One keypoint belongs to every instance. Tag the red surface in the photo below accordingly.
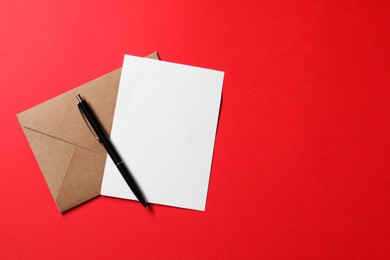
(301, 163)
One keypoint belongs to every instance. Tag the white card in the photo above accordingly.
(164, 129)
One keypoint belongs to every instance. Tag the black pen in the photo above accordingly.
(103, 138)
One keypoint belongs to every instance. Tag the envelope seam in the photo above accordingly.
(61, 139)
(66, 171)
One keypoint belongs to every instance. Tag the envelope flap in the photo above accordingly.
(53, 167)
(59, 117)
(82, 180)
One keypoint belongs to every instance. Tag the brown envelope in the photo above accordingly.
(71, 159)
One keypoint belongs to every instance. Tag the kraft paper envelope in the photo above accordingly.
(71, 159)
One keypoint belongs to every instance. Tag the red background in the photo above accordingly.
(301, 162)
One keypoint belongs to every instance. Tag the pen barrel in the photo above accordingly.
(105, 140)
(131, 183)
(99, 130)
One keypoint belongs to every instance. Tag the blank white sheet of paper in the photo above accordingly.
(164, 129)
